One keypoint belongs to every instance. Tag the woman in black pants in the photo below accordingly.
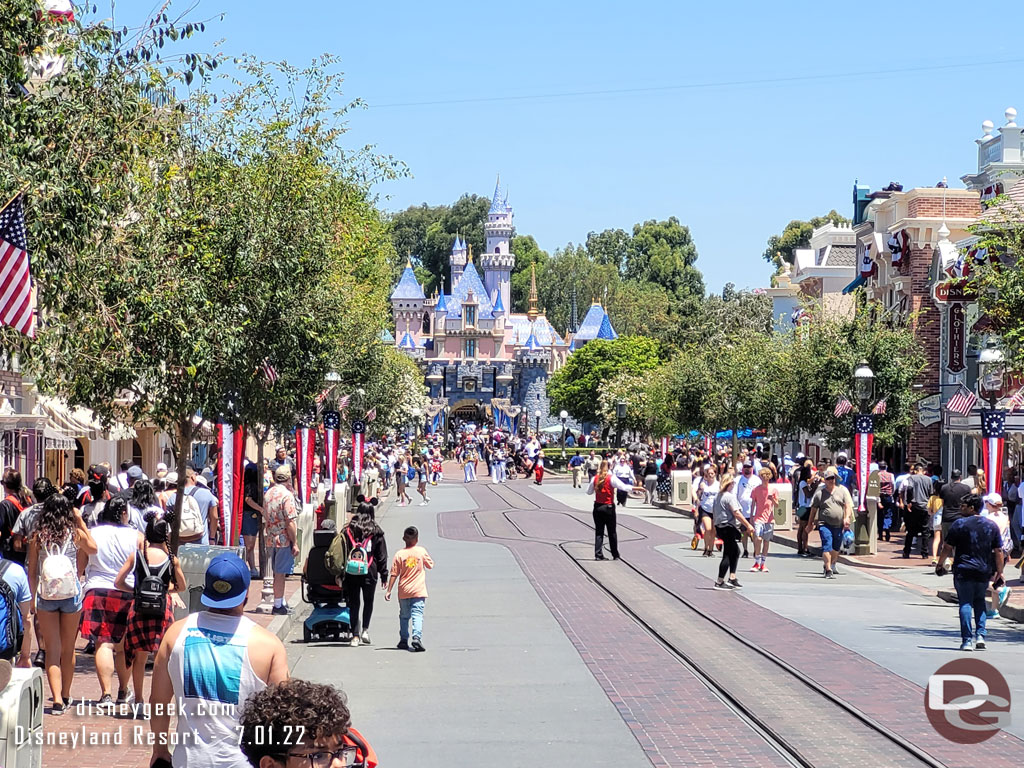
(602, 487)
(729, 524)
(364, 541)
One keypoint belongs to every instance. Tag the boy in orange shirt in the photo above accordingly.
(409, 568)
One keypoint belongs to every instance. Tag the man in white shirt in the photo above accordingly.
(745, 485)
(623, 470)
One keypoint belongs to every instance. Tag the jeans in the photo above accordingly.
(498, 472)
(604, 519)
(971, 596)
(470, 471)
(916, 520)
(410, 611)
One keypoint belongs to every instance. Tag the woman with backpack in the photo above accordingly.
(154, 569)
(365, 559)
(144, 500)
(252, 515)
(402, 471)
(59, 535)
(105, 610)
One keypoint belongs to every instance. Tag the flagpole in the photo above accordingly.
(17, 194)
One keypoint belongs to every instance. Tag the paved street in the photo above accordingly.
(522, 642)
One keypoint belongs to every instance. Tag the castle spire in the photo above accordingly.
(574, 318)
(469, 258)
(497, 202)
(532, 311)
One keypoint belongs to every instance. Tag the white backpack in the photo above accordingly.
(58, 579)
(192, 524)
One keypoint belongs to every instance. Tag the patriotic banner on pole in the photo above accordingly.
(358, 433)
(332, 421)
(230, 489)
(865, 440)
(664, 446)
(843, 407)
(709, 444)
(993, 441)
(305, 443)
(15, 275)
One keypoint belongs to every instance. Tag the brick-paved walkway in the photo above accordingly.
(884, 696)
(133, 751)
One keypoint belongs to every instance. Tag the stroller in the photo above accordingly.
(329, 619)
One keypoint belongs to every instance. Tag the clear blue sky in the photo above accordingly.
(734, 162)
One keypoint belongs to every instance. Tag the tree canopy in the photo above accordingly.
(797, 234)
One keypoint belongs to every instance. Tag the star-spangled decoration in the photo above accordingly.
(358, 427)
(332, 420)
(993, 423)
(865, 424)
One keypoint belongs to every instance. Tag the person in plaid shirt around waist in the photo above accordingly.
(146, 631)
(279, 514)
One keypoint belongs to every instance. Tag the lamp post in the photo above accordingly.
(863, 442)
(536, 415)
(564, 416)
(416, 413)
(991, 371)
(620, 418)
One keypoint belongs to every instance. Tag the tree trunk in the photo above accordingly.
(184, 444)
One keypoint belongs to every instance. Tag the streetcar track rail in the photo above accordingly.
(732, 699)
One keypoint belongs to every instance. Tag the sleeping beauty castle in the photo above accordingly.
(481, 361)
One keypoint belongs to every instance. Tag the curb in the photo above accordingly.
(1011, 612)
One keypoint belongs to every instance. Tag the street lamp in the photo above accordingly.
(620, 417)
(991, 368)
(537, 414)
(416, 413)
(863, 384)
(564, 416)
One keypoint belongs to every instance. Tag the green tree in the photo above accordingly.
(610, 247)
(576, 386)
(528, 253)
(663, 252)
(797, 234)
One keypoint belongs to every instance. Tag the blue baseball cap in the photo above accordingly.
(227, 582)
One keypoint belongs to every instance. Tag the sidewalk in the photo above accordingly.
(90, 740)
(890, 558)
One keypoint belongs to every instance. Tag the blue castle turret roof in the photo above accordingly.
(499, 307)
(407, 342)
(441, 307)
(595, 325)
(470, 281)
(499, 204)
(408, 286)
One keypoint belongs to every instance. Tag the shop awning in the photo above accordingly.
(55, 441)
(857, 283)
(80, 422)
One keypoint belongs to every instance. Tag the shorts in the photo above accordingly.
(935, 524)
(282, 560)
(831, 537)
(250, 524)
(67, 605)
(764, 531)
(803, 513)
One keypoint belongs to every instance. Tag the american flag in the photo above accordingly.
(843, 407)
(1016, 401)
(15, 275)
(343, 402)
(371, 414)
(323, 395)
(962, 402)
(269, 371)
(879, 408)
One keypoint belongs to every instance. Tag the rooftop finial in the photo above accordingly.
(532, 311)
(986, 129)
(469, 258)
(408, 261)
(1011, 117)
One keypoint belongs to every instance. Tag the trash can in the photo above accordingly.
(784, 509)
(865, 524)
(681, 495)
(21, 719)
(195, 559)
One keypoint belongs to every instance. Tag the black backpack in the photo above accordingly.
(150, 587)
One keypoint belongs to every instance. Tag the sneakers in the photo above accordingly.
(979, 644)
(58, 709)
(1004, 595)
(992, 614)
(835, 569)
(416, 645)
(280, 610)
(966, 645)
(423, 503)
(829, 574)
(764, 568)
(105, 702)
(365, 638)
(735, 584)
(755, 568)
(355, 641)
(403, 645)
(724, 586)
